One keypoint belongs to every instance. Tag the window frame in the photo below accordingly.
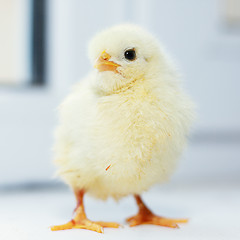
(38, 42)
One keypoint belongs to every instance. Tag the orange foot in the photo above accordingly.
(85, 224)
(145, 216)
(155, 220)
(80, 220)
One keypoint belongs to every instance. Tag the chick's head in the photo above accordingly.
(124, 54)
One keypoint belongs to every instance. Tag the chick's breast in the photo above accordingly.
(122, 143)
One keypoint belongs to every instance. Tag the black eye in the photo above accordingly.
(130, 54)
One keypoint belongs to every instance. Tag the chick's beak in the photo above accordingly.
(103, 63)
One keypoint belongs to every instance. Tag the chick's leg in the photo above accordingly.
(80, 220)
(145, 216)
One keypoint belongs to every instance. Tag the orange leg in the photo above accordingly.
(80, 220)
(145, 216)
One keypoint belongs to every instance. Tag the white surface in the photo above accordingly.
(213, 210)
(15, 31)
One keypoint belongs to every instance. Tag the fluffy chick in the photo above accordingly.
(123, 127)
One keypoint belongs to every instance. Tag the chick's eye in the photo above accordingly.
(130, 54)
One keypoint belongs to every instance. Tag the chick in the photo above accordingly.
(123, 127)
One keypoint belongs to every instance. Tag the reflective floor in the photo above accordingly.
(213, 210)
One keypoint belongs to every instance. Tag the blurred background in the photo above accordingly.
(43, 51)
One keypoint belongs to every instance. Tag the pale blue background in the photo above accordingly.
(194, 32)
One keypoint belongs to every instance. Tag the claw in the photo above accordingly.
(80, 221)
(145, 216)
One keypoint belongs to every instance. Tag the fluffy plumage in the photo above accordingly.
(121, 132)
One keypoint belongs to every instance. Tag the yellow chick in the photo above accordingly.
(123, 127)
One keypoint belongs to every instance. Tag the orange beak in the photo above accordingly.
(103, 63)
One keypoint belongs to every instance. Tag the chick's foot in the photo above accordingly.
(80, 221)
(154, 220)
(85, 224)
(145, 216)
